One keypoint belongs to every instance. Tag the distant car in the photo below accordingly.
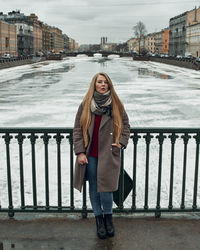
(6, 55)
(197, 59)
(179, 57)
(189, 56)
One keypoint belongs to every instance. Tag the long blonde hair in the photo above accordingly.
(117, 109)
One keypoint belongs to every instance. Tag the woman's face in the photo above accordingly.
(101, 84)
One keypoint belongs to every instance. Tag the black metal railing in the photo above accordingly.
(36, 171)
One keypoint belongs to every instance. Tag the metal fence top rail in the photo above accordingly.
(70, 129)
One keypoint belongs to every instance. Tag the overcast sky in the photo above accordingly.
(88, 20)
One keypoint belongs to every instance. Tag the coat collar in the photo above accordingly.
(104, 119)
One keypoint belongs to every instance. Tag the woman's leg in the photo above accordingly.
(107, 202)
(92, 178)
(95, 196)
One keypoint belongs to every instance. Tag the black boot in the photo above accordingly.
(109, 225)
(101, 231)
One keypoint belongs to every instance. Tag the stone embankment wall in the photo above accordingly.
(7, 63)
(190, 64)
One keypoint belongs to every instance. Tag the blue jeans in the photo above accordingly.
(101, 201)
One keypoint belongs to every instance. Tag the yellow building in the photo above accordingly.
(76, 46)
(133, 45)
(8, 39)
(71, 44)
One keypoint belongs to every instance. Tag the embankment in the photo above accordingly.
(7, 63)
(190, 64)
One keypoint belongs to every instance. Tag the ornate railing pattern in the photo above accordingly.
(18, 139)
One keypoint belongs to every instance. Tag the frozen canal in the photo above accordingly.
(47, 94)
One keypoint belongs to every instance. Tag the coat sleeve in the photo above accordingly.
(78, 134)
(125, 134)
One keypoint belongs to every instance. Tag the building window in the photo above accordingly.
(7, 42)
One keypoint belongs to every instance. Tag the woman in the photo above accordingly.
(101, 129)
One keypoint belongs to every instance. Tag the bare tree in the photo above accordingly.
(139, 31)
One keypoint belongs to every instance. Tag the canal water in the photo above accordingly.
(47, 94)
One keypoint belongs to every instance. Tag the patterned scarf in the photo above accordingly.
(101, 103)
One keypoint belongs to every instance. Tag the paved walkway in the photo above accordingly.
(71, 232)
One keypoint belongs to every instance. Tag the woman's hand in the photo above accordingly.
(117, 145)
(82, 159)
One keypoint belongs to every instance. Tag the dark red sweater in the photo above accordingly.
(94, 144)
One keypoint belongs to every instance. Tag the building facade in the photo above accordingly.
(46, 38)
(66, 43)
(71, 44)
(57, 41)
(24, 31)
(165, 46)
(133, 45)
(8, 39)
(150, 42)
(37, 34)
(177, 35)
(158, 36)
(193, 32)
(109, 47)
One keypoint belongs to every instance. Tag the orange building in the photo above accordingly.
(8, 39)
(165, 41)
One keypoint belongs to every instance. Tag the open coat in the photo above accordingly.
(108, 169)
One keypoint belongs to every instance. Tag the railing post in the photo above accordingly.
(20, 139)
(173, 138)
(135, 139)
(121, 182)
(71, 172)
(33, 138)
(46, 138)
(185, 138)
(7, 139)
(160, 138)
(148, 138)
(58, 138)
(197, 138)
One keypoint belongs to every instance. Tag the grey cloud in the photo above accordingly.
(87, 20)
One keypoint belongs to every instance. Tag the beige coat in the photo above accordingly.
(108, 169)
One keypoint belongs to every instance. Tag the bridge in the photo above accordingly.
(103, 53)
(35, 164)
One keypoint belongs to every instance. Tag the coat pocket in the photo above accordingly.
(115, 150)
